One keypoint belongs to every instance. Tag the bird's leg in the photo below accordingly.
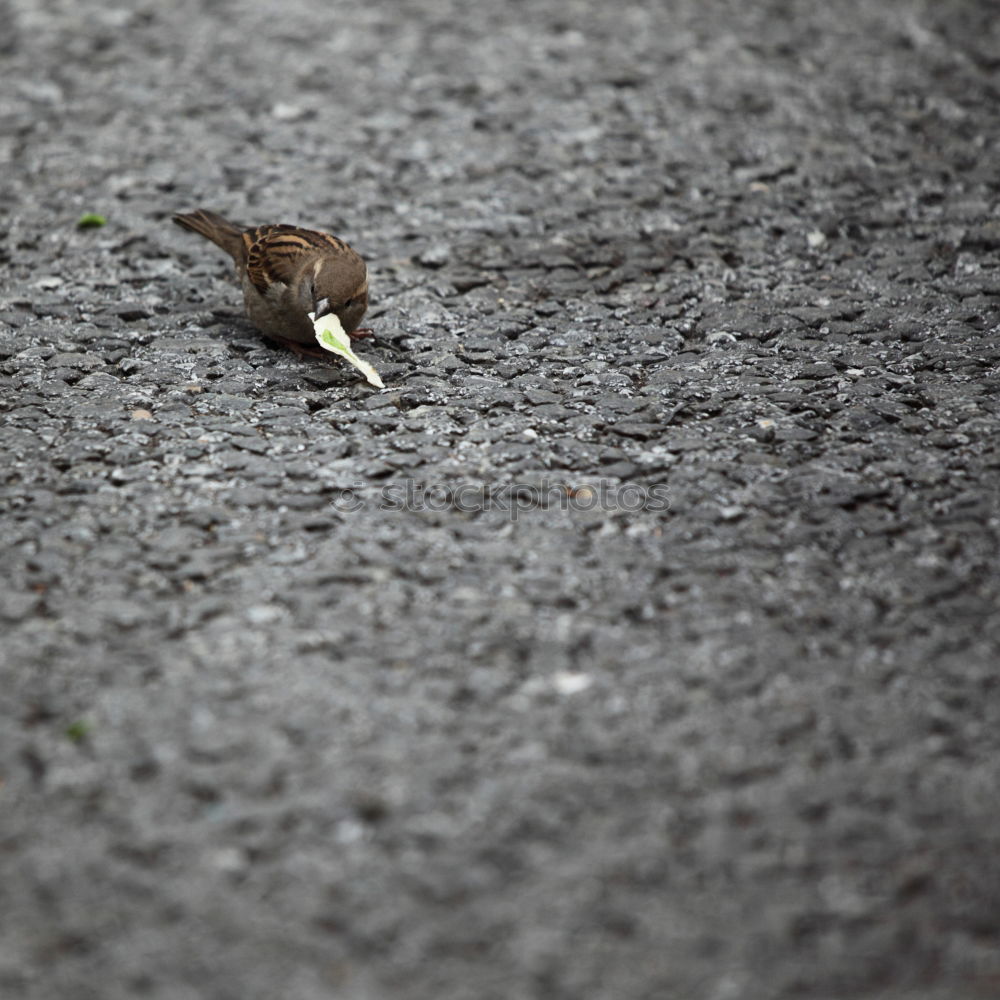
(302, 350)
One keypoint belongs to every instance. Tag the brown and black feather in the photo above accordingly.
(274, 253)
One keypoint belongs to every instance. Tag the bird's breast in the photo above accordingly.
(277, 312)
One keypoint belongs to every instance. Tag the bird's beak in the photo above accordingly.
(321, 308)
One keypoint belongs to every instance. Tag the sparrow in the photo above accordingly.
(286, 273)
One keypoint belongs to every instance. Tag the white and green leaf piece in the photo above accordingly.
(330, 335)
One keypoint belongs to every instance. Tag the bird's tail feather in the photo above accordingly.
(214, 227)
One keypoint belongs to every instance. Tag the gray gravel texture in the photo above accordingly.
(265, 734)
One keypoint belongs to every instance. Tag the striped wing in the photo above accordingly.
(275, 253)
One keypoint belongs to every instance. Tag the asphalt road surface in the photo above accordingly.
(640, 640)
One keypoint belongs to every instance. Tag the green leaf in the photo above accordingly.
(330, 335)
(91, 220)
(77, 732)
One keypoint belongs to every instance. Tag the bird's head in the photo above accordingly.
(340, 286)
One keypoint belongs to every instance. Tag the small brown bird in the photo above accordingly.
(286, 273)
